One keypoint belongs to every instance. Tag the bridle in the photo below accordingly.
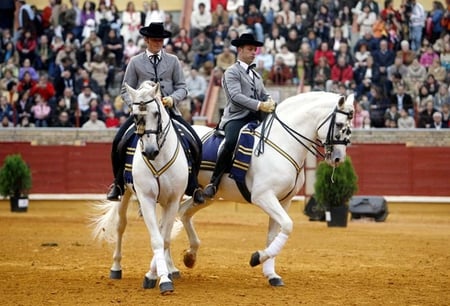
(140, 122)
(331, 140)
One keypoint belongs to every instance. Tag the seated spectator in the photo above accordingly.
(342, 72)
(130, 50)
(441, 97)
(238, 26)
(416, 76)
(254, 19)
(114, 48)
(196, 85)
(72, 106)
(438, 71)
(403, 100)
(200, 20)
(83, 100)
(423, 98)
(10, 93)
(220, 16)
(322, 31)
(391, 117)
(273, 43)
(406, 121)
(182, 37)
(27, 68)
(45, 89)
(427, 58)
(218, 45)
(26, 83)
(67, 80)
(41, 112)
(432, 84)
(406, 53)
(26, 47)
(378, 104)
(307, 56)
(63, 120)
(171, 26)
(293, 42)
(112, 121)
(45, 56)
(397, 67)
(94, 123)
(25, 123)
(369, 71)
(94, 40)
(287, 13)
(280, 24)
(361, 56)
(361, 118)
(98, 70)
(263, 60)
(322, 72)
(288, 57)
(367, 39)
(226, 58)
(324, 51)
(202, 47)
(426, 116)
(280, 74)
(337, 38)
(186, 55)
(299, 26)
(84, 80)
(437, 121)
(23, 106)
(384, 59)
(6, 123)
(7, 78)
(6, 109)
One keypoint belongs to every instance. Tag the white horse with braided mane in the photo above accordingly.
(159, 175)
(301, 123)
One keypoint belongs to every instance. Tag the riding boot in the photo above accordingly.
(219, 170)
(114, 192)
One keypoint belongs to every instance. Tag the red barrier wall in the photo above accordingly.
(382, 169)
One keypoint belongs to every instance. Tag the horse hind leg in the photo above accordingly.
(186, 212)
(116, 268)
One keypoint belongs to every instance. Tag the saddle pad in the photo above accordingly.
(210, 150)
(242, 156)
(131, 148)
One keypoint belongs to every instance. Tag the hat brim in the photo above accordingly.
(146, 32)
(246, 42)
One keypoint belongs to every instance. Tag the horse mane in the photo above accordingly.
(309, 100)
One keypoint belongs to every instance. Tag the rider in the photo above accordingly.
(247, 99)
(156, 65)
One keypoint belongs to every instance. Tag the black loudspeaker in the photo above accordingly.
(369, 207)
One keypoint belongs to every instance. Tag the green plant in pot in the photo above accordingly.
(15, 182)
(334, 188)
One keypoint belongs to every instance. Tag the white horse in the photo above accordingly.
(159, 175)
(300, 124)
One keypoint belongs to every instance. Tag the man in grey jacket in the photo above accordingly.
(246, 99)
(156, 65)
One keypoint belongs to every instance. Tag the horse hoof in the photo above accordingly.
(174, 275)
(115, 274)
(166, 288)
(276, 282)
(149, 283)
(254, 260)
(189, 260)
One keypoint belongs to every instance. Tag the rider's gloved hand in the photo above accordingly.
(167, 101)
(268, 106)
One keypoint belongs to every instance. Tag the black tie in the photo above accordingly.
(251, 67)
(154, 59)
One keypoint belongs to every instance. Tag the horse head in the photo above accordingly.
(334, 132)
(149, 117)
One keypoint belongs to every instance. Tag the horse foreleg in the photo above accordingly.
(272, 207)
(116, 269)
(167, 220)
(186, 212)
(148, 208)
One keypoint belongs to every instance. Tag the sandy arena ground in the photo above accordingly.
(49, 258)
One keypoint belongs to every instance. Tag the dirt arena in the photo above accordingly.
(49, 258)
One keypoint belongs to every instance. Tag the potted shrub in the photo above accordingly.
(15, 182)
(333, 190)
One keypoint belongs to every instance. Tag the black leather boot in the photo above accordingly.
(198, 196)
(114, 193)
(210, 190)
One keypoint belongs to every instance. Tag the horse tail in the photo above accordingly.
(105, 221)
(176, 229)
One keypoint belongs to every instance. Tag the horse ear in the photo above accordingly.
(158, 90)
(350, 99)
(341, 101)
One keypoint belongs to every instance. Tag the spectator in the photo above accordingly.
(112, 121)
(63, 120)
(27, 68)
(26, 18)
(9, 54)
(218, 45)
(342, 72)
(384, 58)
(96, 42)
(26, 47)
(131, 22)
(130, 50)
(41, 111)
(299, 26)
(227, 58)
(269, 8)
(445, 110)
(423, 97)
(288, 57)
(391, 117)
(220, 16)
(154, 14)
(415, 76)
(325, 52)
(26, 83)
(68, 51)
(441, 97)
(5, 109)
(406, 121)
(83, 100)
(378, 104)
(366, 19)
(307, 56)
(71, 106)
(322, 30)
(437, 121)
(336, 39)
(67, 80)
(403, 100)
(200, 20)
(432, 84)
(287, 14)
(98, 70)
(254, 19)
(6, 123)
(280, 74)
(439, 45)
(171, 26)
(322, 72)
(438, 71)
(398, 67)
(94, 123)
(416, 23)
(344, 50)
(185, 54)
(427, 58)
(7, 78)
(113, 48)
(307, 15)
(45, 89)
(237, 26)
(61, 107)
(202, 47)
(361, 56)
(232, 8)
(369, 71)
(293, 42)
(367, 39)
(106, 106)
(23, 106)
(361, 119)
(84, 80)
(182, 37)
(45, 56)
(196, 85)
(426, 115)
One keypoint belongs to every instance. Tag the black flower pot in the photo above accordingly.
(19, 204)
(337, 216)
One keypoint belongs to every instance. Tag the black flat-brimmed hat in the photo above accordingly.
(155, 30)
(246, 39)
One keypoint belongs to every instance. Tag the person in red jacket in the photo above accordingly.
(324, 51)
(26, 47)
(45, 89)
(342, 72)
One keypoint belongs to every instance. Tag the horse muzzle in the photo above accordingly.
(150, 152)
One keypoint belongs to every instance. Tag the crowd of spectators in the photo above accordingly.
(59, 64)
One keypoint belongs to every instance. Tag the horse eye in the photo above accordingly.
(339, 125)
